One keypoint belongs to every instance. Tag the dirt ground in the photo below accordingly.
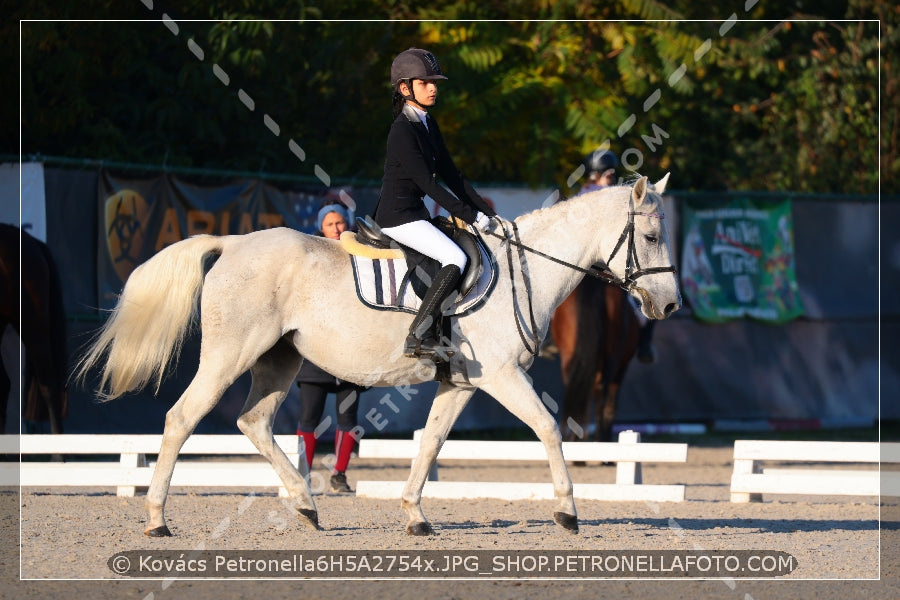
(839, 549)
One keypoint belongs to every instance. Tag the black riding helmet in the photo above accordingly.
(601, 161)
(414, 63)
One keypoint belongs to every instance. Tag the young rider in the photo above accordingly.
(416, 157)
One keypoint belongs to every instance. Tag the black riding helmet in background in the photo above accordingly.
(601, 161)
(414, 63)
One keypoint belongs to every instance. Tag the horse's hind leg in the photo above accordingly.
(448, 403)
(273, 374)
(516, 394)
(195, 403)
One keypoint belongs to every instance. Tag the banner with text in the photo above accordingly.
(140, 217)
(738, 261)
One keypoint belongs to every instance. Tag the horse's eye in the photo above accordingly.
(652, 239)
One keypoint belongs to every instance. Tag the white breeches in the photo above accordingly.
(424, 237)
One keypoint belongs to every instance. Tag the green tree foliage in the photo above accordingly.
(778, 97)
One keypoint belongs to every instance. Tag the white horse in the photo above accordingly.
(273, 296)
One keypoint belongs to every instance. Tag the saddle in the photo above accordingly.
(422, 269)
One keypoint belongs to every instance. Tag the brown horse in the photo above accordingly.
(596, 332)
(42, 328)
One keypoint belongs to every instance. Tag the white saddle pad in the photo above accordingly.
(381, 283)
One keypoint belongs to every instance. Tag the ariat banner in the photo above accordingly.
(738, 261)
(140, 217)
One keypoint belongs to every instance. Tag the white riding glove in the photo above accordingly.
(483, 222)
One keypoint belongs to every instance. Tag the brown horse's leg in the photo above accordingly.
(564, 329)
(43, 335)
(577, 351)
(620, 347)
(606, 411)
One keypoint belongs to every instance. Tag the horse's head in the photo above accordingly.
(643, 261)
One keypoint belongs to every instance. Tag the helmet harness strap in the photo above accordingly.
(411, 97)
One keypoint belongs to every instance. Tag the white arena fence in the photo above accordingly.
(628, 454)
(209, 461)
(132, 469)
(750, 480)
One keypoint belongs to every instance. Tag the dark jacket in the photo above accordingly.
(416, 157)
(313, 373)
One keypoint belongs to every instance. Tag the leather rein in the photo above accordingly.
(633, 269)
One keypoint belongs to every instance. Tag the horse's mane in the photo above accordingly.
(572, 203)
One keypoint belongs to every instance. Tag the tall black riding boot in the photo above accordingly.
(422, 338)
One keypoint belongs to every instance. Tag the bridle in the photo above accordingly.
(633, 270)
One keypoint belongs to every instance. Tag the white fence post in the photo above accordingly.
(629, 473)
(131, 460)
(746, 466)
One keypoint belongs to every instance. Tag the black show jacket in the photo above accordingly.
(416, 157)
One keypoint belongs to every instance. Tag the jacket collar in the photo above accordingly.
(413, 117)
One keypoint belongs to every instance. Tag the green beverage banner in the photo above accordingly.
(738, 261)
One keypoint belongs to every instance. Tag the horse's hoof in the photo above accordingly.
(161, 531)
(568, 522)
(312, 516)
(421, 528)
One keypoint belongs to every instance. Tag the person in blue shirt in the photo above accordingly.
(315, 384)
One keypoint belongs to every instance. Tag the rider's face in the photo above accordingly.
(425, 92)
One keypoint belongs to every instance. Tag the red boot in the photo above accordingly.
(344, 443)
(309, 445)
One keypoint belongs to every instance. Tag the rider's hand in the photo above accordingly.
(482, 222)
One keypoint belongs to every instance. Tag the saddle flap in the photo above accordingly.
(466, 240)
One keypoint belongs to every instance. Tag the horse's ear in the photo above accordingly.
(660, 186)
(639, 191)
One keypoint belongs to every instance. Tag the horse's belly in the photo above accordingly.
(375, 364)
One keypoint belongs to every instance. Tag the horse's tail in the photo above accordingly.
(591, 312)
(151, 319)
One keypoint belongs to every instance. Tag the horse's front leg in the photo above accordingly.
(513, 390)
(448, 403)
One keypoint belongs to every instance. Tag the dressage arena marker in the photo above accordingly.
(628, 454)
(749, 481)
(132, 471)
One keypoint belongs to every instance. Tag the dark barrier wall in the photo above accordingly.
(71, 234)
(827, 365)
